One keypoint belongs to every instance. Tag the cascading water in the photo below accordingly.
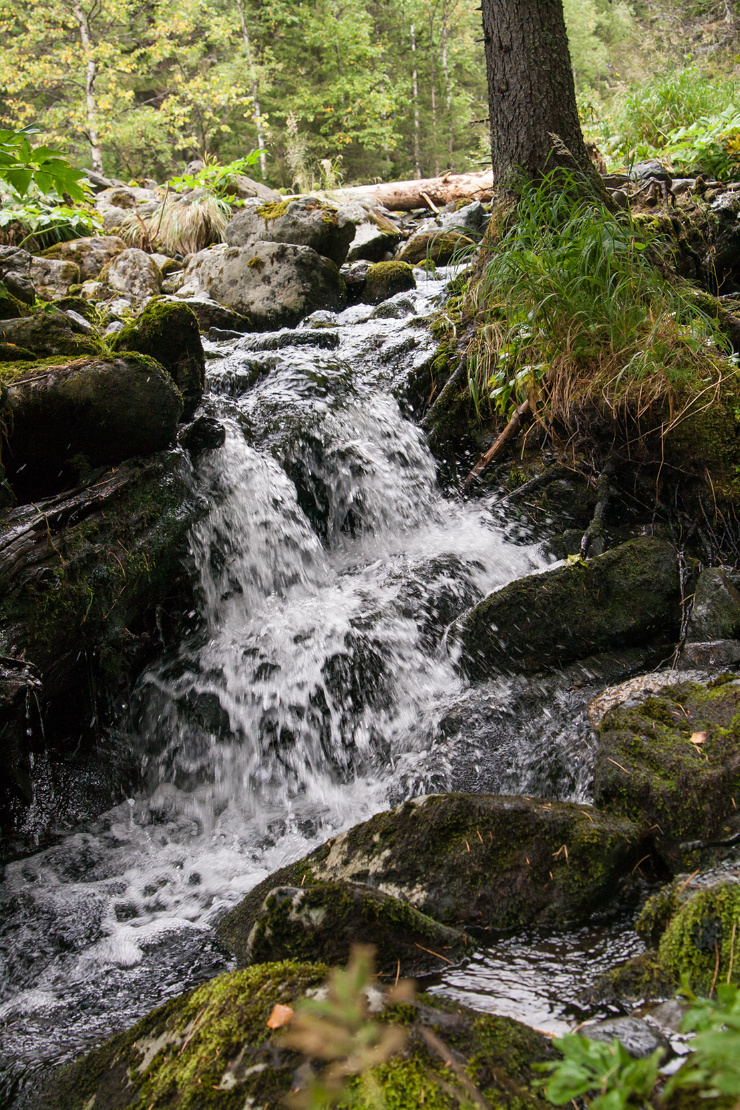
(317, 691)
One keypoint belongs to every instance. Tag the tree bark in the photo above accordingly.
(415, 87)
(254, 89)
(405, 195)
(531, 91)
(91, 108)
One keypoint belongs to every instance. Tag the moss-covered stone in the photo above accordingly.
(471, 860)
(440, 247)
(304, 221)
(385, 279)
(322, 921)
(47, 333)
(169, 333)
(622, 598)
(643, 978)
(702, 938)
(213, 1048)
(648, 769)
(11, 308)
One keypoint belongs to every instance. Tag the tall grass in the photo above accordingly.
(180, 224)
(572, 312)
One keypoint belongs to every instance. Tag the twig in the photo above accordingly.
(437, 954)
(511, 431)
(604, 493)
(732, 950)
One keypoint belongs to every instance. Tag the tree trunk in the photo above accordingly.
(91, 110)
(448, 89)
(254, 90)
(415, 86)
(531, 92)
(402, 196)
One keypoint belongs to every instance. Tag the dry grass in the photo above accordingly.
(181, 224)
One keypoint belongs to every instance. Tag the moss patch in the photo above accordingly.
(385, 279)
(273, 211)
(169, 333)
(703, 937)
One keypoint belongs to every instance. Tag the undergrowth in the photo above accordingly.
(572, 311)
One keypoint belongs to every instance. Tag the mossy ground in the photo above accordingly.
(213, 1048)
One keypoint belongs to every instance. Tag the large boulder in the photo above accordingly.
(440, 247)
(668, 758)
(385, 279)
(274, 284)
(376, 234)
(715, 614)
(15, 274)
(216, 1047)
(211, 314)
(47, 334)
(323, 921)
(91, 253)
(133, 273)
(306, 222)
(96, 409)
(477, 860)
(168, 332)
(622, 598)
(53, 278)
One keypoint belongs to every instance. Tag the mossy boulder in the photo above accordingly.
(133, 273)
(471, 860)
(91, 581)
(169, 333)
(53, 278)
(11, 307)
(440, 247)
(385, 279)
(213, 1048)
(90, 253)
(15, 274)
(715, 614)
(322, 921)
(669, 760)
(211, 314)
(644, 977)
(307, 222)
(623, 598)
(47, 333)
(700, 922)
(103, 410)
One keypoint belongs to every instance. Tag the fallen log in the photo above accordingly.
(430, 192)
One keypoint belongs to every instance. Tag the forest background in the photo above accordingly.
(350, 90)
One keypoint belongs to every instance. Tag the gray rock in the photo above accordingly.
(47, 333)
(438, 246)
(80, 322)
(211, 314)
(53, 277)
(15, 273)
(166, 264)
(134, 273)
(715, 653)
(715, 614)
(471, 217)
(273, 284)
(91, 253)
(307, 222)
(622, 598)
(245, 187)
(638, 1037)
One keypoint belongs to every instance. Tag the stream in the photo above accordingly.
(317, 691)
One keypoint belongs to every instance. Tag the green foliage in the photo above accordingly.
(23, 166)
(570, 303)
(605, 1072)
(43, 222)
(714, 1064)
(215, 177)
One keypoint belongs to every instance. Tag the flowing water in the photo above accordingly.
(317, 691)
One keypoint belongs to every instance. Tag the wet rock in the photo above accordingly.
(438, 246)
(715, 614)
(306, 222)
(625, 597)
(103, 410)
(714, 653)
(637, 1036)
(15, 274)
(133, 273)
(20, 685)
(669, 759)
(375, 234)
(385, 279)
(700, 922)
(216, 1039)
(204, 434)
(472, 860)
(211, 314)
(91, 253)
(46, 334)
(53, 278)
(354, 275)
(642, 978)
(168, 332)
(273, 284)
(466, 217)
(323, 921)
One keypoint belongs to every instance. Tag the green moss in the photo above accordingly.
(10, 307)
(274, 210)
(385, 279)
(169, 332)
(256, 263)
(645, 977)
(702, 940)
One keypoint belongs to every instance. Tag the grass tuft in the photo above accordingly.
(180, 224)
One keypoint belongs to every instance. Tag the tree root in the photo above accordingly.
(604, 494)
(511, 431)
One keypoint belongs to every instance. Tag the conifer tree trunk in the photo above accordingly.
(254, 83)
(415, 88)
(91, 108)
(531, 91)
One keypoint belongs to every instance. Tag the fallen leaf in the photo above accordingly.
(698, 737)
(279, 1017)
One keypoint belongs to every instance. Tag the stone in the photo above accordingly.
(273, 284)
(637, 1036)
(307, 222)
(20, 685)
(714, 653)
(669, 760)
(321, 922)
(239, 185)
(133, 273)
(470, 860)
(104, 410)
(166, 264)
(216, 1044)
(92, 290)
(211, 314)
(15, 274)
(47, 333)
(715, 614)
(466, 217)
(168, 332)
(204, 434)
(375, 233)
(53, 278)
(91, 253)
(10, 307)
(440, 247)
(385, 279)
(354, 275)
(622, 598)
